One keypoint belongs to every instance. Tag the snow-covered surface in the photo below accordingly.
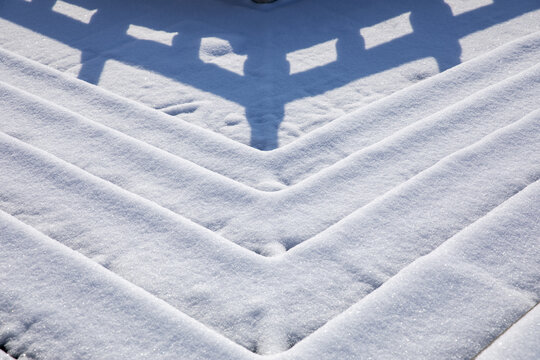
(4, 356)
(519, 342)
(397, 216)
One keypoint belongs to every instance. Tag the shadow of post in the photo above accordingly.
(92, 59)
(266, 73)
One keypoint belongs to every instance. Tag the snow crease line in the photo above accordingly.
(125, 137)
(124, 193)
(217, 333)
(314, 178)
(297, 187)
(479, 225)
(505, 331)
(332, 227)
(153, 149)
(471, 61)
(126, 284)
(424, 173)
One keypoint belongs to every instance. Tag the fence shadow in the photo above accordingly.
(265, 37)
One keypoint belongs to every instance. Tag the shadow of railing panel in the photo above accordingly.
(266, 85)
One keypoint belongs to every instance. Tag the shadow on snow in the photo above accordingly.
(265, 37)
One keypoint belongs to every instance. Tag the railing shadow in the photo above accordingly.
(266, 85)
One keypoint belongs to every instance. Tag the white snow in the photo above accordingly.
(387, 30)
(216, 179)
(518, 342)
(310, 58)
(4, 356)
(144, 33)
(220, 52)
(73, 11)
(462, 6)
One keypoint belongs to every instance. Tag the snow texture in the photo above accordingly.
(217, 179)
(518, 342)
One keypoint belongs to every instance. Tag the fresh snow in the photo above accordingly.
(216, 179)
(519, 342)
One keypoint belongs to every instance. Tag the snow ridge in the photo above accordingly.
(411, 218)
(283, 166)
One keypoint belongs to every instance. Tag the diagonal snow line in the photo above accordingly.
(421, 175)
(315, 259)
(96, 267)
(447, 75)
(466, 229)
(392, 297)
(382, 193)
(479, 95)
(470, 68)
(501, 207)
(176, 213)
(520, 337)
(331, 228)
(448, 160)
(468, 101)
(444, 160)
(476, 100)
(123, 287)
(37, 70)
(125, 136)
(494, 99)
(325, 332)
(344, 130)
(2, 214)
(208, 234)
(530, 73)
(212, 142)
(5, 356)
(535, 307)
(155, 151)
(322, 328)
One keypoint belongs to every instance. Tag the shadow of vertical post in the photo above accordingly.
(92, 61)
(429, 20)
(267, 74)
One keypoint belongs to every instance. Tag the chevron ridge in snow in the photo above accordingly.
(339, 279)
(460, 81)
(133, 302)
(186, 187)
(171, 239)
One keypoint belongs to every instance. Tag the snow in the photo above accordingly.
(448, 304)
(518, 342)
(4, 356)
(217, 179)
